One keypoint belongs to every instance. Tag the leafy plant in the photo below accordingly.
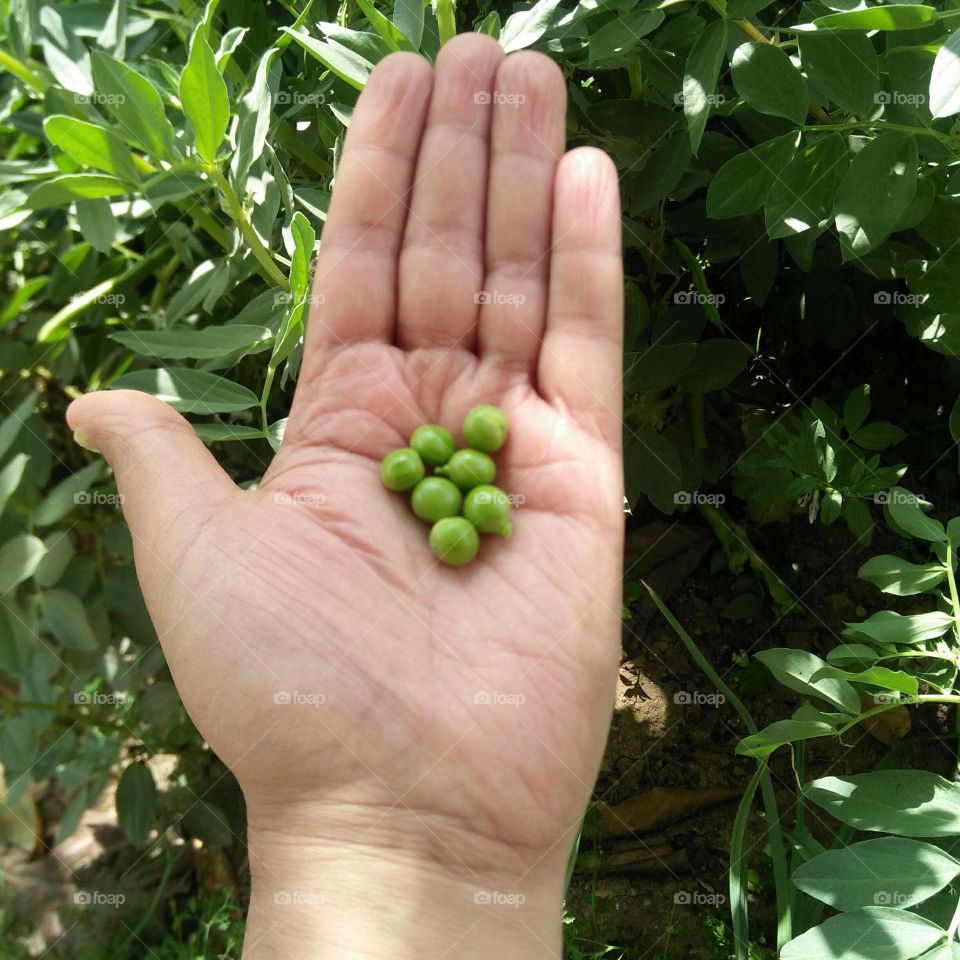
(819, 463)
(883, 886)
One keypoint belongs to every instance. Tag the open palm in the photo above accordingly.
(317, 644)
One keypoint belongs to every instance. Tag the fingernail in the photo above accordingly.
(82, 439)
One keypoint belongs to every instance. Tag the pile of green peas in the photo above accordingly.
(459, 499)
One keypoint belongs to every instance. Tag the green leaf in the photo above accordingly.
(874, 933)
(10, 427)
(408, 17)
(97, 223)
(189, 391)
(887, 626)
(887, 870)
(208, 823)
(304, 240)
(766, 80)
(659, 470)
(808, 675)
(19, 558)
(891, 16)
(912, 803)
(59, 552)
(715, 364)
(904, 508)
(392, 35)
(135, 104)
(856, 408)
(945, 79)
(700, 79)
(217, 432)
(347, 65)
(67, 494)
(896, 680)
(844, 68)
(802, 195)
(204, 97)
(901, 578)
(526, 27)
(878, 435)
(64, 616)
(136, 802)
(180, 343)
(782, 732)
(10, 477)
(91, 145)
(60, 191)
(743, 183)
(876, 191)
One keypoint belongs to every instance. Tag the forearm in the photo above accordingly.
(374, 895)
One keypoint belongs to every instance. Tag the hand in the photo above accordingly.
(411, 737)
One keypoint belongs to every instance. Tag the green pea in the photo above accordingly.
(454, 541)
(469, 468)
(485, 428)
(402, 469)
(434, 443)
(488, 509)
(435, 498)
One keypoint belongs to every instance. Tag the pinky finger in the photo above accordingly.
(581, 360)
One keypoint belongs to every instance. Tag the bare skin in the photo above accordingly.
(416, 743)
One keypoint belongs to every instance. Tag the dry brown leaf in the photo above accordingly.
(889, 727)
(659, 806)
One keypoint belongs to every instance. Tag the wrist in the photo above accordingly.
(368, 884)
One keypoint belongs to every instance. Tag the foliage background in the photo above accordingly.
(790, 206)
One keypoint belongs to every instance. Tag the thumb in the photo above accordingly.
(164, 472)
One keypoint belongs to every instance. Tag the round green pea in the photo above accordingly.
(454, 541)
(469, 469)
(401, 470)
(488, 509)
(434, 443)
(434, 498)
(485, 428)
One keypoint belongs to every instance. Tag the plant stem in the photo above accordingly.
(265, 396)
(880, 124)
(635, 73)
(20, 70)
(86, 300)
(955, 605)
(239, 215)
